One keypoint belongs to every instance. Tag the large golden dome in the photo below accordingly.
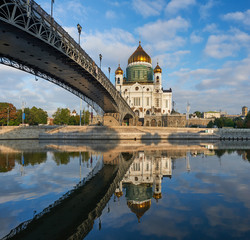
(139, 208)
(139, 56)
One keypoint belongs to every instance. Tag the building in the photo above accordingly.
(143, 180)
(211, 114)
(142, 87)
(244, 111)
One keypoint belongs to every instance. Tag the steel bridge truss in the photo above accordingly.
(48, 77)
(28, 16)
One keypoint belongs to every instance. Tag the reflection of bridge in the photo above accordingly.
(73, 215)
(33, 42)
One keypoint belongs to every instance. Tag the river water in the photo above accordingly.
(124, 190)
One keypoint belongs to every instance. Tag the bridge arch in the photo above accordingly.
(33, 42)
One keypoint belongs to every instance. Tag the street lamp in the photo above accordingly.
(100, 56)
(52, 2)
(8, 115)
(109, 72)
(79, 28)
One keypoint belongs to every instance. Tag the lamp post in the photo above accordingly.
(28, 8)
(109, 72)
(79, 28)
(100, 57)
(52, 2)
(8, 115)
(23, 114)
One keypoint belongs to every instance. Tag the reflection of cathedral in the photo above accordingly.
(142, 86)
(143, 180)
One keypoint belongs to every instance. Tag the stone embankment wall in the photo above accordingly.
(23, 132)
(127, 133)
(120, 133)
(234, 134)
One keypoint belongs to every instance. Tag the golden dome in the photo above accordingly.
(157, 196)
(157, 69)
(139, 208)
(118, 194)
(139, 56)
(119, 70)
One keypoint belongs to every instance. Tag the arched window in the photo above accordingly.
(157, 79)
(147, 112)
(153, 123)
(118, 80)
(137, 113)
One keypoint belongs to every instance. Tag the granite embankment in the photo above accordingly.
(23, 132)
(121, 133)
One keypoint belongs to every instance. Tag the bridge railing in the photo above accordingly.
(79, 55)
(99, 73)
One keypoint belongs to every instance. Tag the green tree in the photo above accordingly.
(33, 116)
(8, 114)
(198, 114)
(210, 124)
(61, 116)
(247, 120)
(238, 122)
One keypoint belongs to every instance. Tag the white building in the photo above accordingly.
(143, 181)
(142, 86)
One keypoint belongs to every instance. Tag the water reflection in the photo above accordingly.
(64, 190)
(143, 180)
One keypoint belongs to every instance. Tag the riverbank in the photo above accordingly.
(120, 133)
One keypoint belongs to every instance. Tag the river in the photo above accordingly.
(124, 190)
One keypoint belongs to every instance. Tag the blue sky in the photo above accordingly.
(202, 47)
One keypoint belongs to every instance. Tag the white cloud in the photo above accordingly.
(227, 45)
(225, 88)
(170, 60)
(211, 28)
(110, 14)
(242, 17)
(175, 6)
(194, 38)
(204, 9)
(148, 7)
(163, 34)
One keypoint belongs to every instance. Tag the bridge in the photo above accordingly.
(73, 215)
(32, 41)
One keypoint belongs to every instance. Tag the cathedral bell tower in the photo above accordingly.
(157, 77)
(118, 78)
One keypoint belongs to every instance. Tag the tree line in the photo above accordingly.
(228, 122)
(11, 116)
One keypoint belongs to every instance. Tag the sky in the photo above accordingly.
(202, 46)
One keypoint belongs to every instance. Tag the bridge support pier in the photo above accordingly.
(111, 119)
(115, 119)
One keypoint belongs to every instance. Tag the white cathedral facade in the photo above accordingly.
(142, 86)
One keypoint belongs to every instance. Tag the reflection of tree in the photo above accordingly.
(244, 154)
(220, 152)
(32, 158)
(64, 157)
(7, 162)
(127, 156)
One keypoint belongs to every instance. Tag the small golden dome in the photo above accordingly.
(139, 56)
(119, 70)
(157, 196)
(157, 69)
(118, 194)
